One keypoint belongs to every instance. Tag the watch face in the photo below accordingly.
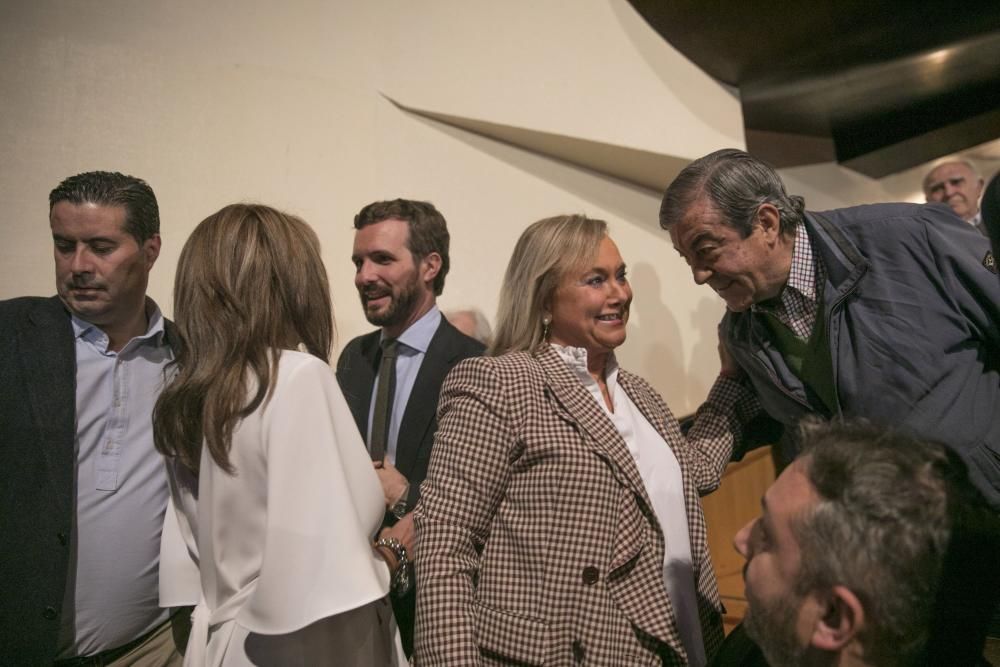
(399, 509)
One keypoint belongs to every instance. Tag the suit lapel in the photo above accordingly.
(579, 406)
(356, 375)
(421, 408)
(640, 593)
(48, 356)
(659, 415)
(656, 413)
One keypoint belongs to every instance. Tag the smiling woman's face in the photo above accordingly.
(590, 305)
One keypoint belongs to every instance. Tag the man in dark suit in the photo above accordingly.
(83, 494)
(401, 259)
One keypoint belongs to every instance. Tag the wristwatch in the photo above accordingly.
(399, 509)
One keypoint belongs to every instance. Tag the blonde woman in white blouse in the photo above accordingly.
(276, 500)
(559, 520)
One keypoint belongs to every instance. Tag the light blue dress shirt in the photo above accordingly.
(412, 348)
(121, 491)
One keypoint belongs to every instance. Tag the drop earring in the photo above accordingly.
(546, 320)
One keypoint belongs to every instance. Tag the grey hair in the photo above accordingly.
(546, 251)
(968, 163)
(482, 331)
(891, 510)
(736, 184)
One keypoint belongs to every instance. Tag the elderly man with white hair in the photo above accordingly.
(958, 184)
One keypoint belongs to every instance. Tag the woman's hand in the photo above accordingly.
(388, 556)
(397, 555)
(402, 531)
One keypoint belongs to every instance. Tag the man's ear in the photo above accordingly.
(769, 220)
(430, 265)
(151, 250)
(842, 618)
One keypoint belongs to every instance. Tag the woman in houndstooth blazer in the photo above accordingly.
(560, 521)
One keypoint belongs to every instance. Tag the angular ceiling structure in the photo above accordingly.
(877, 86)
(644, 169)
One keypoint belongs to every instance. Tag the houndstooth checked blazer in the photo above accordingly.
(536, 540)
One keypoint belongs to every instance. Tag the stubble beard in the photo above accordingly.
(772, 626)
(400, 306)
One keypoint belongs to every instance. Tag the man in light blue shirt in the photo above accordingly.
(401, 259)
(84, 491)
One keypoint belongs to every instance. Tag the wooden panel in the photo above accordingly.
(728, 509)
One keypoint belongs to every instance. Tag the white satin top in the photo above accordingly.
(287, 540)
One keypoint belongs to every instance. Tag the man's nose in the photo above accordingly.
(364, 275)
(701, 274)
(742, 540)
(81, 261)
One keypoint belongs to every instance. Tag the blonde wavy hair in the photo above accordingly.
(546, 251)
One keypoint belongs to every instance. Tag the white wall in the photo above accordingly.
(222, 100)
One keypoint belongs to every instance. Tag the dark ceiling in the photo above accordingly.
(877, 86)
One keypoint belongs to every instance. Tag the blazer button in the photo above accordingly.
(591, 575)
(63, 538)
(578, 651)
(49, 613)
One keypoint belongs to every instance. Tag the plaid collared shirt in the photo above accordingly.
(797, 303)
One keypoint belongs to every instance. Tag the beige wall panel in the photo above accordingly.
(592, 69)
(224, 100)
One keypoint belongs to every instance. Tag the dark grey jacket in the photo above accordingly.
(37, 488)
(912, 307)
(37, 429)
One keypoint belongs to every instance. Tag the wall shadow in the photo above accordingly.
(704, 360)
(631, 203)
(653, 349)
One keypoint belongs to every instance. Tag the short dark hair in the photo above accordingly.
(110, 188)
(428, 229)
(736, 183)
(892, 515)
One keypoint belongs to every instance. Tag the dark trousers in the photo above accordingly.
(405, 610)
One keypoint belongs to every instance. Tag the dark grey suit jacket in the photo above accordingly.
(37, 429)
(37, 482)
(357, 369)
